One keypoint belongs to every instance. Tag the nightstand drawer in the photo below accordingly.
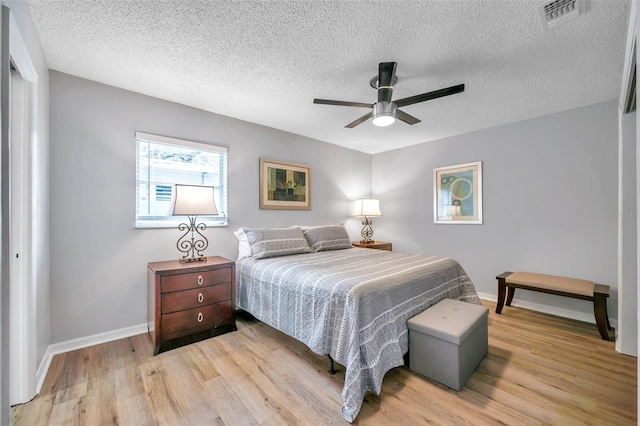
(192, 318)
(181, 300)
(195, 280)
(385, 246)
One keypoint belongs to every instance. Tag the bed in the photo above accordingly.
(349, 303)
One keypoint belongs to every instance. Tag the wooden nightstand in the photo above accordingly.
(380, 245)
(188, 302)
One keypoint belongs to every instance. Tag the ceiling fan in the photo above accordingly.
(385, 111)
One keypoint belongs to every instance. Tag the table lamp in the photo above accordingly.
(367, 207)
(192, 201)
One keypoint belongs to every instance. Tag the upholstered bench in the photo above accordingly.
(448, 341)
(561, 286)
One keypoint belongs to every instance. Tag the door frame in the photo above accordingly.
(23, 333)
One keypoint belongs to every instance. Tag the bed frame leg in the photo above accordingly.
(332, 370)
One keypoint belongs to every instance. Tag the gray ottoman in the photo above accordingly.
(448, 341)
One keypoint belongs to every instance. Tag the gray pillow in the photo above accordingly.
(270, 242)
(333, 237)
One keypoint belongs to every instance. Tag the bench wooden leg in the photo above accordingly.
(510, 292)
(600, 311)
(502, 288)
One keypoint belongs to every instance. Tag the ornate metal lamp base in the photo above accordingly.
(367, 231)
(190, 246)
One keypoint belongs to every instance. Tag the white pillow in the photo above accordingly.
(244, 248)
(304, 227)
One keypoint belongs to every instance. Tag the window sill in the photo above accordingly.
(159, 223)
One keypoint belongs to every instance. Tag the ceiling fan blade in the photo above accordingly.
(342, 103)
(386, 72)
(431, 95)
(386, 76)
(359, 121)
(403, 116)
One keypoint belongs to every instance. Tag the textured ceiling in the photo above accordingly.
(265, 61)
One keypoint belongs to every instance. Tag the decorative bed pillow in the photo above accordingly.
(270, 242)
(333, 237)
(244, 248)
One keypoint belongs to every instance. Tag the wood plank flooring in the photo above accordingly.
(540, 369)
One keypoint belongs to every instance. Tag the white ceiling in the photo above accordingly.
(265, 61)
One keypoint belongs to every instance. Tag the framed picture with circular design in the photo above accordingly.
(457, 194)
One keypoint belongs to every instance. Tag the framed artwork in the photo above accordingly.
(284, 185)
(457, 194)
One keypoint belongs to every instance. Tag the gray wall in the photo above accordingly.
(20, 11)
(98, 258)
(550, 196)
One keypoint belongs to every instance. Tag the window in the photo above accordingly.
(161, 163)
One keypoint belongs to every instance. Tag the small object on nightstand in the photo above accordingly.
(380, 245)
(188, 302)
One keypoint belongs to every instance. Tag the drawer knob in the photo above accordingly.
(200, 297)
(200, 280)
(200, 317)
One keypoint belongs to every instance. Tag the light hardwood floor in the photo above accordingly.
(540, 370)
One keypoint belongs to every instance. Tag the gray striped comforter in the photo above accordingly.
(352, 304)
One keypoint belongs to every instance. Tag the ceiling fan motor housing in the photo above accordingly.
(384, 113)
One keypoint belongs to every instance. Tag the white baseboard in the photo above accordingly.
(565, 313)
(83, 342)
(42, 369)
(96, 339)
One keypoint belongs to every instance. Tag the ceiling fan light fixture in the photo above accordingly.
(384, 120)
(384, 114)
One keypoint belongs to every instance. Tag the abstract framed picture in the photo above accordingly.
(457, 194)
(284, 185)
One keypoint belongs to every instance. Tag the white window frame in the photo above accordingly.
(174, 221)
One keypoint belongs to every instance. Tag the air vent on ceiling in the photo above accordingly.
(556, 12)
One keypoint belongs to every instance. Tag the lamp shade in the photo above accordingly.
(367, 207)
(193, 200)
